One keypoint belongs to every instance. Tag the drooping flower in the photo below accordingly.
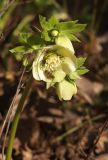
(65, 90)
(53, 64)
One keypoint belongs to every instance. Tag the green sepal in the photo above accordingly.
(69, 29)
(20, 51)
(23, 37)
(72, 37)
(33, 41)
(64, 28)
(82, 70)
(71, 26)
(80, 61)
(47, 24)
(45, 36)
(74, 75)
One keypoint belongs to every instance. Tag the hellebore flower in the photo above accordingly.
(65, 90)
(54, 64)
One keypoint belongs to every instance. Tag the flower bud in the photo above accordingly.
(65, 90)
(54, 33)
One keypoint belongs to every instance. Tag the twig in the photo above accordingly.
(74, 129)
(16, 118)
(4, 142)
(6, 8)
(10, 114)
(97, 138)
(11, 106)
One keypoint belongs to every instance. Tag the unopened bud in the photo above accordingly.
(54, 33)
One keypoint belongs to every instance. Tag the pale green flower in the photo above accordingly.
(53, 64)
(65, 42)
(65, 90)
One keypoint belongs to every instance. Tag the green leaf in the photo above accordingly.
(74, 75)
(78, 28)
(71, 26)
(66, 25)
(82, 71)
(35, 42)
(42, 21)
(45, 36)
(23, 37)
(69, 29)
(53, 21)
(80, 61)
(72, 37)
(20, 49)
(46, 25)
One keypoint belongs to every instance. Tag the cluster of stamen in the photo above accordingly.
(51, 64)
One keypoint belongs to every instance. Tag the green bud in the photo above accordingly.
(25, 62)
(54, 33)
(65, 90)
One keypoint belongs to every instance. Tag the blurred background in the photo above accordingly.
(50, 129)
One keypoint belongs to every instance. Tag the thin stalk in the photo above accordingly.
(8, 115)
(17, 117)
(76, 128)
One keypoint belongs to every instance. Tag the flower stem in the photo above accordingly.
(17, 117)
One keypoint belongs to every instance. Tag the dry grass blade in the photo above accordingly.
(5, 8)
(103, 127)
(10, 113)
(74, 129)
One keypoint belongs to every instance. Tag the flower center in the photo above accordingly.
(51, 62)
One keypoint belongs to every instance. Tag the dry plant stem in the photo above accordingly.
(17, 117)
(104, 126)
(3, 148)
(74, 129)
(8, 115)
(6, 8)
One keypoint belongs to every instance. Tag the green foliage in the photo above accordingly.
(51, 30)
(23, 37)
(80, 68)
(47, 26)
(74, 75)
(68, 29)
(33, 41)
(82, 71)
(80, 61)
(6, 16)
(20, 51)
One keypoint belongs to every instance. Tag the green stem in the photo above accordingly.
(17, 117)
